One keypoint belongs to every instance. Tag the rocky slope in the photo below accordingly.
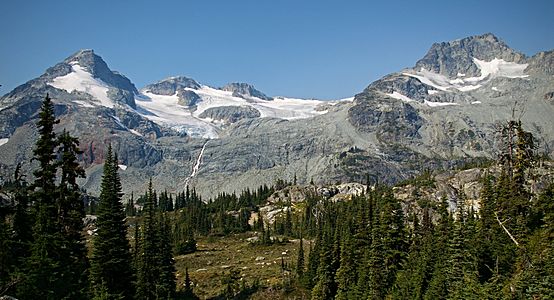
(441, 112)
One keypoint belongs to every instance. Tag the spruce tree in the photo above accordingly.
(111, 268)
(148, 270)
(166, 285)
(346, 275)
(300, 259)
(71, 212)
(43, 273)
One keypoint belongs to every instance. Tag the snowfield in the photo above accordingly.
(489, 70)
(165, 110)
(82, 81)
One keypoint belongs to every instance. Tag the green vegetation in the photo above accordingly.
(372, 247)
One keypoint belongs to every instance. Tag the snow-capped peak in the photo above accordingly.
(82, 80)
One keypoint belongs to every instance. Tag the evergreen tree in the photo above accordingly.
(165, 288)
(22, 225)
(111, 268)
(71, 212)
(149, 259)
(300, 259)
(43, 273)
(346, 275)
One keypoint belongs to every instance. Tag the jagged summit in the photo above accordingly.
(171, 85)
(241, 89)
(457, 57)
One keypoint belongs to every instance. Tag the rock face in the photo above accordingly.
(456, 57)
(176, 85)
(396, 127)
(230, 114)
(243, 90)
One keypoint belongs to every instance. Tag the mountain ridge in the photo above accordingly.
(178, 128)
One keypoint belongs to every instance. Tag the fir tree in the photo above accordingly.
(111, 268)
(346, 275)
(43, 273)
(71, 212)
(149, 260)
(300, 259)
(165, 288)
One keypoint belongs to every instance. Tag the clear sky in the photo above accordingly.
(320, 49)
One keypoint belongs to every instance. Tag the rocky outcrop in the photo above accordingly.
(230, 114)
(245, 90)
(390, 120)
(188, 98)
(172, 85)
(408, 86)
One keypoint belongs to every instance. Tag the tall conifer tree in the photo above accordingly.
(111, 267)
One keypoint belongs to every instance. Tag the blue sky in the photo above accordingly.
(321, 49)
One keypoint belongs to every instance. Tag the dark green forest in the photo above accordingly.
(366, 248)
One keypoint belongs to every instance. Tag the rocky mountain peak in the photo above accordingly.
(172, 85)
(86, 58)
(241, 89)
(455, 58)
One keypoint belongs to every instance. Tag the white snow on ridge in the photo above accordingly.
(401, 97)
(489, 70)
(279, 107)
(166, 110)
(122, 167)
(82, 81)
(3, 141)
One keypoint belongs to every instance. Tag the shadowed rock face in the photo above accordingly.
(230, 114)
(244, 90)
(379, 133)
(187, 98)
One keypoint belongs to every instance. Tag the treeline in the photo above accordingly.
(370, 248)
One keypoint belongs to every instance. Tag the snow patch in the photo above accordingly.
(123, 167)
(495, 89)
(476, 102)
(118, 121)
(83, 103)
(432, 92)
(397, 95)
(437, 104)
(83, 81)
(3, 141)
(469, 87)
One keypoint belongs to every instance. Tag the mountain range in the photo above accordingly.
(442, 112)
